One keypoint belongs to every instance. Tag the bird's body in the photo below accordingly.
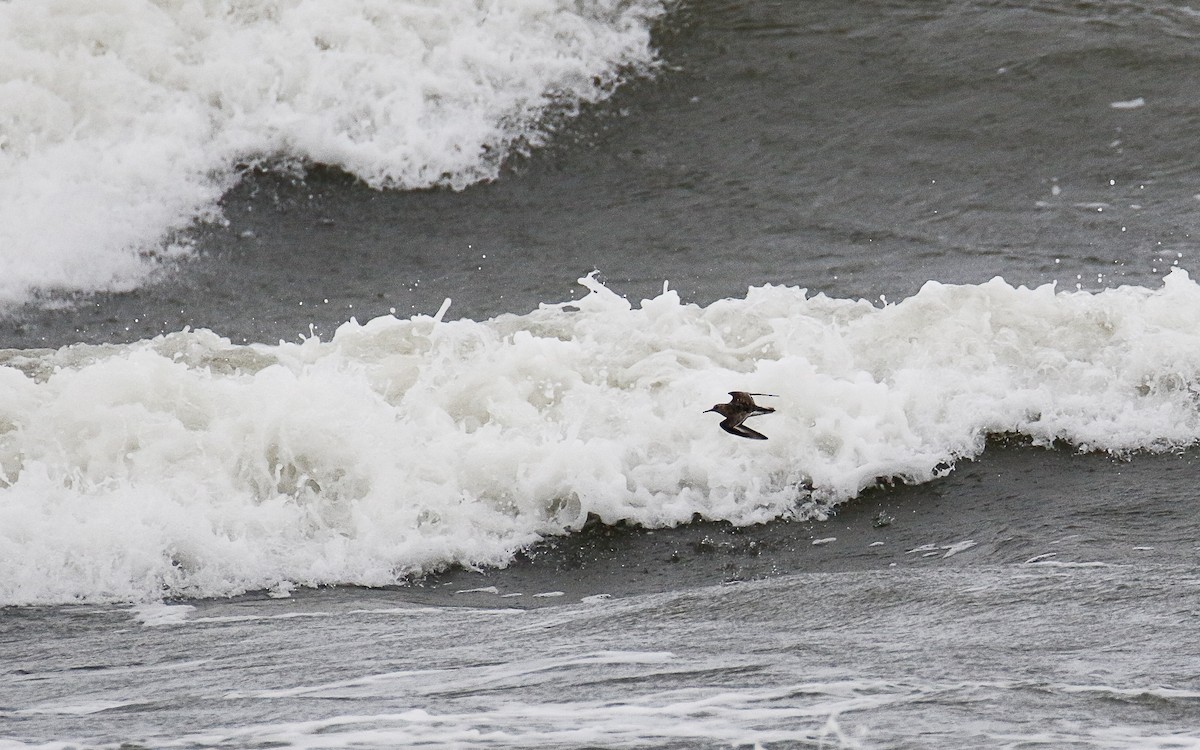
(741, 407)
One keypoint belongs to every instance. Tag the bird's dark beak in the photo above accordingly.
(706, 411)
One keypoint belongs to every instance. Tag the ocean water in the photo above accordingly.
(355, 363)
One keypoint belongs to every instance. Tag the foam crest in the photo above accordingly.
(188, 466)
(122, 120)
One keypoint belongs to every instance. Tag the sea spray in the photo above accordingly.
(188, 466)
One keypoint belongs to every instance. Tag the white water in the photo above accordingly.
(122, 121)
(186, 465)
(945, 656)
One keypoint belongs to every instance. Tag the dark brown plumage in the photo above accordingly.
(740, 408)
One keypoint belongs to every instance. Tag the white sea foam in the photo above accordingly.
(189, 466)
(122, 121)
(158, 613)
(70, 708)
(696, 718)
(732, 715)
(1129, 104)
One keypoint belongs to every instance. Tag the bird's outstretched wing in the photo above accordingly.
(734, 426)
(745, 399)
(741, 399)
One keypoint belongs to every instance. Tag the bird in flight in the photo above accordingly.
(740, 408)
